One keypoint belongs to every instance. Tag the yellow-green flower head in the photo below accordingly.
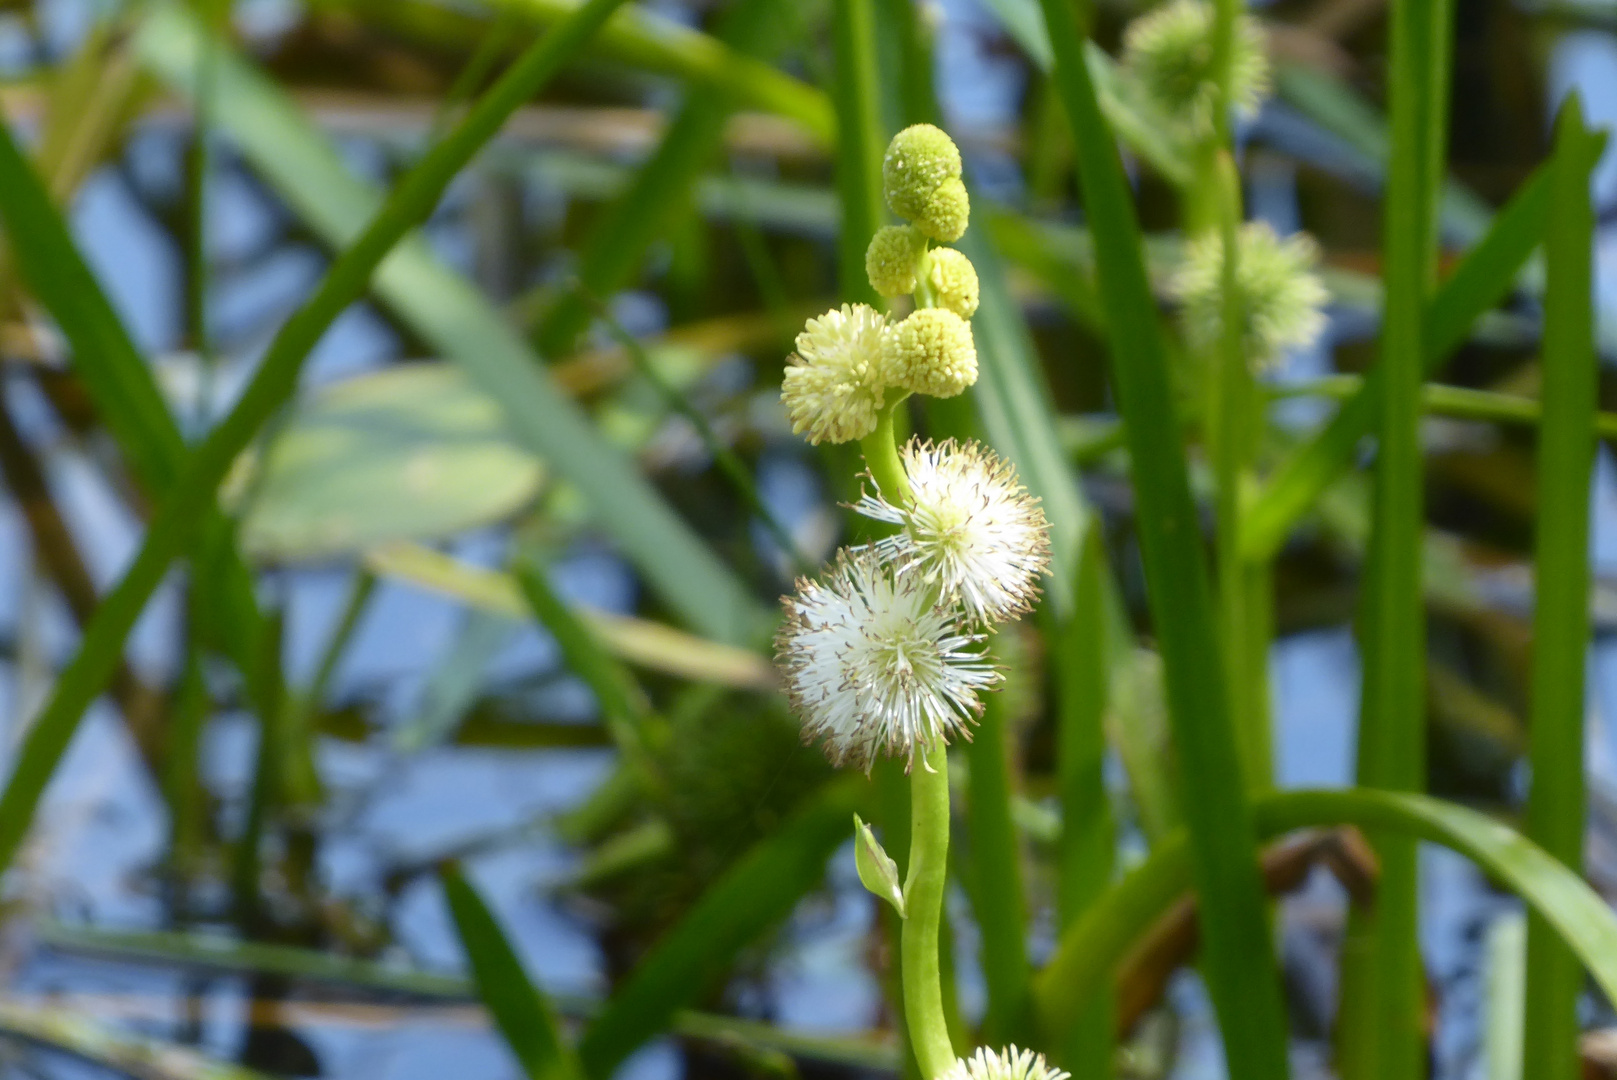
(954, 281)
(1283, 299)
(1007, 1064)
(833, 385)
(930, 352)
(921, 177)
(1169, 52)
(890, 259)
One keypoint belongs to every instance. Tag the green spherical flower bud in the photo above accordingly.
(890, 259)
(1169, 53)
(946, 212)
(930, 352)
(954, 281)
(919, 159)
(1280, 295)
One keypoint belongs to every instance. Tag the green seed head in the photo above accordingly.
(954, 281)
(1169, 52)
(919, 161)
(930, 352)
(946, 212)
(1280, 295)
(890, 259)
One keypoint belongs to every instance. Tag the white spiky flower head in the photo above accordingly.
(1282, 298)
(833, 385)
(968, 529)
(1169, 52)
(1007, 1064)
(875, 665)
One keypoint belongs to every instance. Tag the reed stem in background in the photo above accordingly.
(1381, 1032)
(1566, 448)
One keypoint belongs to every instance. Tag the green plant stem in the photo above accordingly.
(1381, 1037)
(1555, 816)
(996, 875)
(880, 448)
(859, 142)
(923, 898)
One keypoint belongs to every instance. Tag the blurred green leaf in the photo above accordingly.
(453, 316)
(638, 641)
(520, 1011)
(408, 453)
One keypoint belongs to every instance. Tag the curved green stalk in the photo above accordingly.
(923, 900)
(880, 448)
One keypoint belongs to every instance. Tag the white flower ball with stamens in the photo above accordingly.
(833, 386)
(968, 529)
(1007, 1064)
(874, 664)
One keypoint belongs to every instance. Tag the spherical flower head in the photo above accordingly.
(890, 259)
(1282, 298)
(833, 385)
(1169, 52)
(919, 160)
(1007, 1064)
(873, 664)
(968, 529)
(954, 281)
(946, 212)
(930, 352)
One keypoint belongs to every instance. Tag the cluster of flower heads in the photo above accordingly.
(1169, 55)
(883, 654)
(1007, 1064)
(850, 360)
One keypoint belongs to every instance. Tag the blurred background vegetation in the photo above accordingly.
(498, 591)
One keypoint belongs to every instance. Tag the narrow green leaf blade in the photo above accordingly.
(1238, 955)
(520, 1010)
(1566, 454)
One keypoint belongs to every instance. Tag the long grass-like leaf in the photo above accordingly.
(859, 143)
(1382, 1037)
(996, 878)
(1088, 848)
(520, 1010)
(756, 893)
(1556, 802)
(1090, 950)
(187, 502)
(1238, 956)
(449, 312)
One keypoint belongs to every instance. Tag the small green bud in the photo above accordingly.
(1281, 296)
(919, 160)
(877, 870)
(890, 259)
(954, 281)
(946, 212)
(930, 352)
(1169, 53)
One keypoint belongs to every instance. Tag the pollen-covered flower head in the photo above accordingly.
(1007, 1064)
(968, 529)
(874, 664)
(1282, 298)
(1169, 53)
(921, 179)
(930, 352)
(834, 383)
(953, 280)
